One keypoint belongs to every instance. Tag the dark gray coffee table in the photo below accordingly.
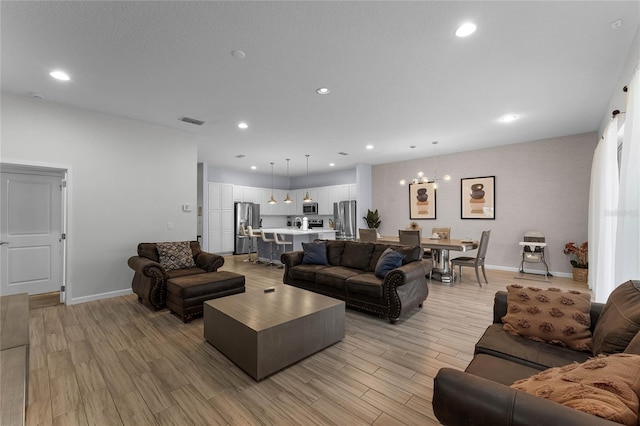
(265, 332)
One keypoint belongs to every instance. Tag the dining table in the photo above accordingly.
(440, 248)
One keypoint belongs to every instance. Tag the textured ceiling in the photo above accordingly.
(397, 73)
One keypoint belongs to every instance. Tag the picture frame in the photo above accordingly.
(478, 198)
(422, 200)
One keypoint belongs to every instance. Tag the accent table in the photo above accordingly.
(263, 331)
(440, 248)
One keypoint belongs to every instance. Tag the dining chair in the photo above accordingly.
(368, 235)
(475, 262)
(413, 238)
(444, 233)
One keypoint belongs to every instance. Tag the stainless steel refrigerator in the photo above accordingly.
(246, 214)
(345, 220)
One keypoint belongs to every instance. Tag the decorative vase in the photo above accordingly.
(580, 274)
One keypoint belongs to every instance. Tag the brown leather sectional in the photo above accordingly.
(350, 277)
(481, 394)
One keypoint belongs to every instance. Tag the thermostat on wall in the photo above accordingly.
(186, 207)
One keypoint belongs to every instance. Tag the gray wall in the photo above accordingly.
(263, 180)
(127, 180)
(541, 185)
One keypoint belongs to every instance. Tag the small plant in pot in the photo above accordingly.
(580, 262)
(373, 219)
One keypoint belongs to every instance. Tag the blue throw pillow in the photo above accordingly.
(314, 254)
(389, 260)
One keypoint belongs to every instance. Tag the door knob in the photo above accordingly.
(2, 243)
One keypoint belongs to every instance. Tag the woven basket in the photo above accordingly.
(580, 275)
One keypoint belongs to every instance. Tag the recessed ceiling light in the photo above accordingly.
(322, 91)
(253, 167)
(60, 75)
(508, 118)
(238, 54)
(332, 164)
(466, 29)
(369, 146)
(243, 125)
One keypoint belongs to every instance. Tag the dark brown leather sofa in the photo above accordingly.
(150, 278)
(350, 277)
(481, 394)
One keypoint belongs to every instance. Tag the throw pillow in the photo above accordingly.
(605, 386)
(389, 260)
(177, 255)
(552, 316)
(314, 253)
(619, 321)
(357, 255)
(634, 345)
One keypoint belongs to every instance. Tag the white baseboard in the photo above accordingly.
(100, 296)
(536, 271)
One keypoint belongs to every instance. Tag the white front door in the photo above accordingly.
(31, 233)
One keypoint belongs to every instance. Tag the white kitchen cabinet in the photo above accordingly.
(215, 231)
(227, 230)
(325, 206)
(338, 193)
(250, 194)
(266, 209)
(215, 197)
(237, 193)
(226, 196)
(353, 193)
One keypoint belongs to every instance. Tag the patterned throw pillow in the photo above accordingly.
(553, 316)
(177, 255)
(606, 386)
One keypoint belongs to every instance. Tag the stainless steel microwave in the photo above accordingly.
(310, 208)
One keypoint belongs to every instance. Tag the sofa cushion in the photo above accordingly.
(499, 369)
(375, 256)
(552, 316)
(634, 345)
(411, 253)
(619, 321)
(366, 284)
(335, 276)
(388, 261)
(305, 272)
(606, 387)
(314, 253)
(357, 255)
(184, 272)
(210, 283)
(175, 255)
(334, 252)
(495, 341)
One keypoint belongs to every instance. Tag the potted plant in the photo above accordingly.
(373, 219)
(581, 261)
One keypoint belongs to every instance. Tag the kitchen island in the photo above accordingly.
(293, 235)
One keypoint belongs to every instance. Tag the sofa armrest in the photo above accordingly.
(500, 309)
(406, 273)
(210, 262)
(147, 267)
(461, 398)
(289, 260)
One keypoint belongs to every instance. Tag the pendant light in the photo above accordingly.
(435, 162)
(307, 197)
(272, 200)
(288, 199)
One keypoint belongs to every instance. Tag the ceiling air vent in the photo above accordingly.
(191, 120)
(240, 156)
(343, 153)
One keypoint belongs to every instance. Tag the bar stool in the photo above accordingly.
(280, 243)
(270, 241)
(244, 235)
(252, 236)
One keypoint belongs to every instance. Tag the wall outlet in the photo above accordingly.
(187, 207)
(170, 226)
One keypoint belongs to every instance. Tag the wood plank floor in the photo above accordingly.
(116, 362)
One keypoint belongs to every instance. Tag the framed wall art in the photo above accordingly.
(478, 198)
(422, 200)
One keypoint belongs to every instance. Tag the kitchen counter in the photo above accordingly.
(295, 236)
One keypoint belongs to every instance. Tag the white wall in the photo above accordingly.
(128, 180)
(541, 185)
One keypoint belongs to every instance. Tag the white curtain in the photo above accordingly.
(628, 232)
(603, 203)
